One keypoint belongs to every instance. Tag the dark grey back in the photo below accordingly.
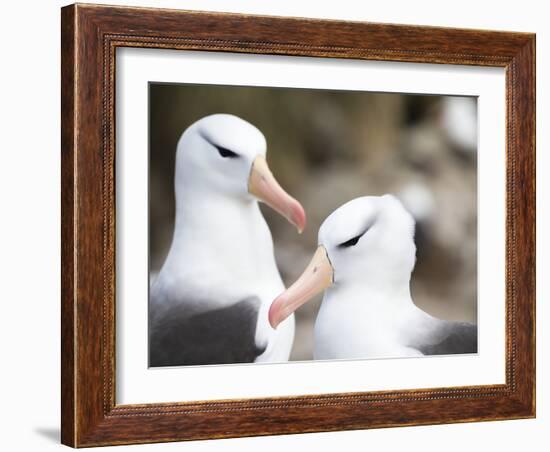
(221, 336)
(450, 338)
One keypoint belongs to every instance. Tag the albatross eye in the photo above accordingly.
(226, 153)
(353, 241)
(350, 242)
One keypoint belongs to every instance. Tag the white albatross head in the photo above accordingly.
(367, 242)
(224, 155)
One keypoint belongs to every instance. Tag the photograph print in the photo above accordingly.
(302, 224)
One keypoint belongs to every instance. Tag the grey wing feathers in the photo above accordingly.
(221, 336)
(450, 338)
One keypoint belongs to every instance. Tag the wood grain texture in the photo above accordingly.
(90, 36)
(68, 310)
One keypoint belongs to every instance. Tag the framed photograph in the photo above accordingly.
(282, 225)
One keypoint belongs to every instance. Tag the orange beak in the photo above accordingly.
(317, 276)
(265, 187)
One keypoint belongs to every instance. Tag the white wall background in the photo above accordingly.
(29, 239)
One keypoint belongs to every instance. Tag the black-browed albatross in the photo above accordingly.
(209, 303)
(364, 261)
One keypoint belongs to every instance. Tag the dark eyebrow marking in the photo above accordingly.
(353, 241)
(224, 152)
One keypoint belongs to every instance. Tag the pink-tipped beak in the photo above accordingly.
(265, 187)
(317, 276)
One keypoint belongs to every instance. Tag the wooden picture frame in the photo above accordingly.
(90, 36)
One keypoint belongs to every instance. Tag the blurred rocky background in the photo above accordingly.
(327, 147)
